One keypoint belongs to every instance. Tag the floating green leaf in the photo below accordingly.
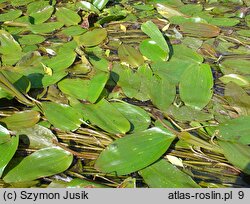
(162, 174)
(191, 9)
(138, 118)
(45, 27)
(133, 84)
(162, 93)
(237, 79)
(87, 6)
(31, 39)
(236, 66)
(134, 152)
(186, 54)
(64, 58)
(153, 32)
(130, 55)
(200, 29)
(62, 116)
(62, 61)
(45, 162)
(152, 51)
(91, 38)
(238, 98)
(186, 113)
(4, 135)
(85, 89)
(22, 119)
(7, 151)
(67, 16)
(73, 30)
(10, 15)
(171, 70)
(37, 137)
(196, 86)
(40, 12)
(236, 130)
(225, 22)
(180, 20)
(107, 117)
(75, 183)
(237, 154)
(8, 44)
(100, 4)
(167, 11)
(20, 3)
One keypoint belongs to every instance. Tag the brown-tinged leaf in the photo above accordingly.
(200, 29)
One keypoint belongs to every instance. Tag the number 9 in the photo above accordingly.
(241, 194)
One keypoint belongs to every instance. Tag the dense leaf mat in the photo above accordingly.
(124, 93)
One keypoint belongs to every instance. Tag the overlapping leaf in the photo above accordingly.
(237, 154)
(138, 118)
(89, 90)
(107, 117)
(162, 174)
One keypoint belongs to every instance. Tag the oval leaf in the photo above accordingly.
(236, 130)
(41, 13)
(105, 116)
(139, 118)
(186, 113)
(100, 4)
(86, 6)
(154, 33)
(10, 15)
(237, 154)
(134, 152)
(167, 11)
(200, 29)
(37, 137)
(68, 118)
(4, 135)
(91, 38)
(130, 55)
(62, 61)
(238, 98)
(162, 93)
(45, 27)
(196, 86)
(45, 162)
(67, 16)
(31, 39)
(89, 90)
(152, 51)
(162, 174)
(7, 151)
(8, 43)
(22, 119)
